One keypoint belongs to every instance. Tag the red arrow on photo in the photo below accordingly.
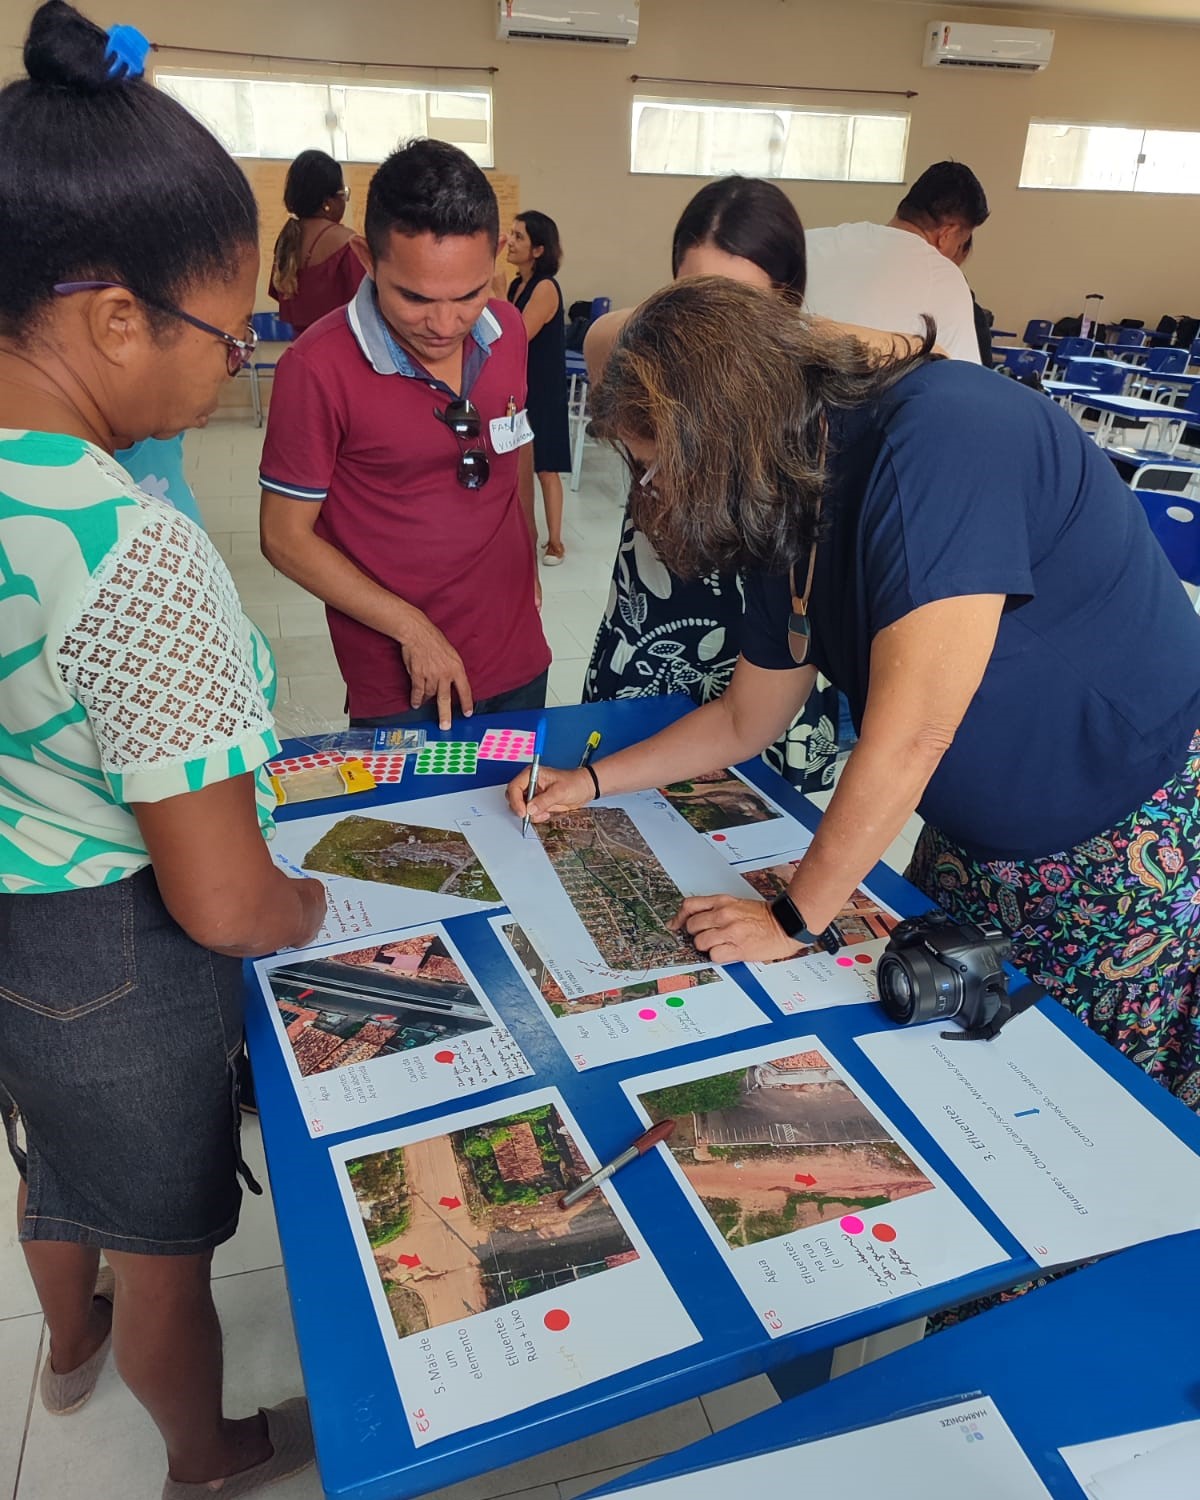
(450, 1202)
(411, 1261)
(806, 1179)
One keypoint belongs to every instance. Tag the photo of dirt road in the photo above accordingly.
(462, 1223)
(717, 800)
(563, 1005)
(424, 859)
(781, 1146)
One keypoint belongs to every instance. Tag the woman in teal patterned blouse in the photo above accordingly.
(134, 716)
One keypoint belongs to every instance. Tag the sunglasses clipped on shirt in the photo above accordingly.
(464, 421)
(238, 352)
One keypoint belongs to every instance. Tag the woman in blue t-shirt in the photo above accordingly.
(1021, 663)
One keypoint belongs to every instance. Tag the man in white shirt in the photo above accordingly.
(889, 275)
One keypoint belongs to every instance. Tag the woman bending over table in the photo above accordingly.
(1022, 664)
(133, 715)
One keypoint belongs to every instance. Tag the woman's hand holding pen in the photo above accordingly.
(557, 792)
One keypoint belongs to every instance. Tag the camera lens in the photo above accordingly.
(912, 990)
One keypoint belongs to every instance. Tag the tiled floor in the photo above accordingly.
(110, 1451)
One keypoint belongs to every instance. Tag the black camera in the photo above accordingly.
(934, 968)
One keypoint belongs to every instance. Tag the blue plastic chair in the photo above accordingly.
(1103, 379)
(1133, 338)
(1037, 331)
(1166, 362)
(270, 329)
(1175, 522)
(1025, 362)
(1194, 353)
(600, 305)
(1074, 348)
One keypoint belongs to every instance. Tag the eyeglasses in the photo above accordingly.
(238, 352)
(343, 193)
(799, 629)
(464, 421)
(646, 482)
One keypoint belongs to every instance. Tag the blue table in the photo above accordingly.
(1154, 414)
(363, 1442)
(1087, 1357)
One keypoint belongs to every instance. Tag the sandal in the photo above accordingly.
(292, 1440)
(63, 1394)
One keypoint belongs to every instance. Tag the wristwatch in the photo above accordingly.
(791, 920)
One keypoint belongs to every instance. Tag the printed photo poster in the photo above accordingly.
(735, 816)
(1062, 1154)
(384, 1028)
(490, 1296)
(632, 1020)
(388, 867)
(964, 1451)
(815, 979)
(596, 889)
(818, 1205)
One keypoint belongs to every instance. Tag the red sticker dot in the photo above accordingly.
(556, 1320)
(718, 838)
(862, 958)
(443, 1057)
(884, 1232)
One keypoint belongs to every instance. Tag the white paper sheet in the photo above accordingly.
(490, 1297)
(737, 818)
(816, 980)
(1093, 1462)
(634, 1020)
(628, 862)
(384, 1028)
(429, 878)
(1069, 1160)
(957, 1451)
(818, 1205)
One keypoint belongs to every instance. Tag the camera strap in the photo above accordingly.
(1012, 1005)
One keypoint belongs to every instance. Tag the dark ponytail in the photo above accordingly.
(312, 178)
(106, 178)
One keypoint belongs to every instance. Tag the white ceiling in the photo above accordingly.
(1126, 10)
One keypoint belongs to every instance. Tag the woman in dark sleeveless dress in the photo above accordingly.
(665, 634)
(315, 269)
(535, 252)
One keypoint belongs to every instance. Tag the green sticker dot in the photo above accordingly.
(675, 1001)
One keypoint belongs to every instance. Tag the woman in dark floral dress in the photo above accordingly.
(665, 634)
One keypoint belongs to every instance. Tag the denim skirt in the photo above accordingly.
(118, 1042)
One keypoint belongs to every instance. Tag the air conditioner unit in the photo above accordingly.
(606, 23)
(951, 44)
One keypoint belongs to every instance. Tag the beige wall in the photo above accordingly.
(562, 124)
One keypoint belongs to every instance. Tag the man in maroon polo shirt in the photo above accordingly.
(397, 471)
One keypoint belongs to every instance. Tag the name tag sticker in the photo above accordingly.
(510, 432)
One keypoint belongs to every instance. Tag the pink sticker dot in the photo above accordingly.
(844, 963)
(556, 1320)
(884, 1232)
(852, 1224)
(443, 1057)
(718, 838)
(647, 1014)
(862, 958)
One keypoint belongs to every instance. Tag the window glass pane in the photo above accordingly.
(1101, 158)
(353, 122)
(1170, 162)
(706, 140)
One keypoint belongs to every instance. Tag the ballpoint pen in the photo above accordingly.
(645, 1142)
(539, 741)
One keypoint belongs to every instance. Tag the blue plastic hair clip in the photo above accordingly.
(127, 51)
